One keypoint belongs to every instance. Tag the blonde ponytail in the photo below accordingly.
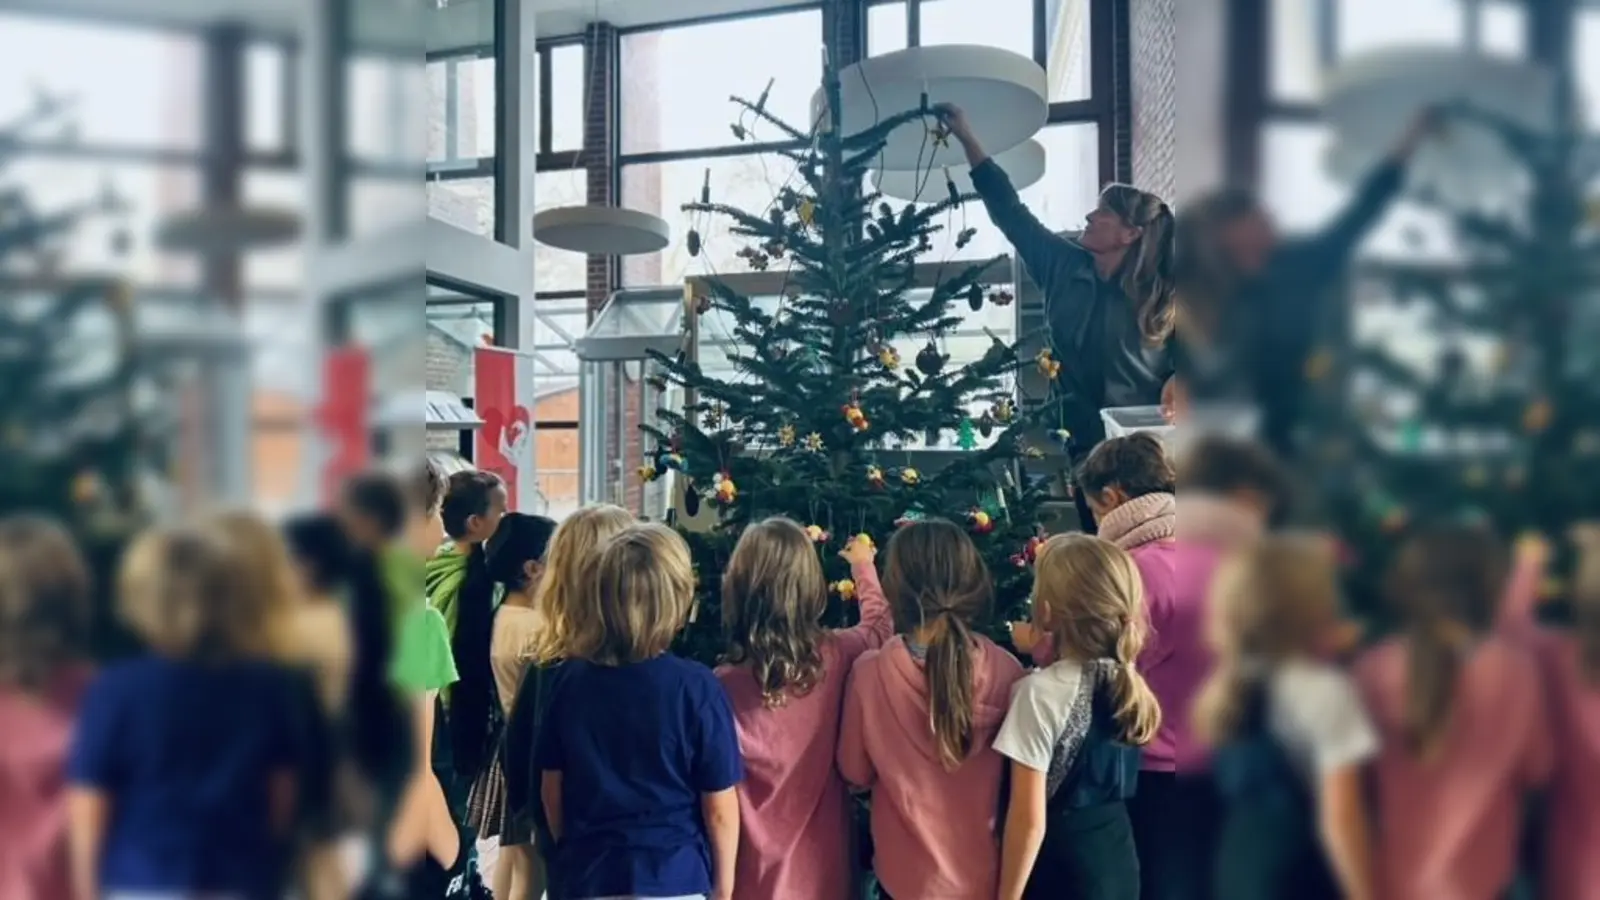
(1138, 711)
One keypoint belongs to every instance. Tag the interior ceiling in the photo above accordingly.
(561, 17)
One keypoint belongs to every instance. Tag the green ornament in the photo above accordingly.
(967, 436)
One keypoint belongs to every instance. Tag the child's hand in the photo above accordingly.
(1025, 636)
(860, 551)
(1341, 640)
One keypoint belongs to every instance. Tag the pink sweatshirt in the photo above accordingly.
(1449, 828)
(933, 831)
(794, 809)
(33, 814)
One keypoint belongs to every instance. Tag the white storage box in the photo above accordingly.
(1123, 420)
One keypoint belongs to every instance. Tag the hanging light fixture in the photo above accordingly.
(596, 229)
(214, 230)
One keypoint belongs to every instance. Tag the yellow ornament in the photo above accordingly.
(856, 418)
(648, 473)
(786, 436)
(817, 533)
(865, 540)
(1049, 366)
(1319, 365)
(1031, 452)
(889, 358)
(807, 212)
(723, 489)
(846, 589)
(875, 476)
(814, 442)
(86, 487)
(714, 415)
(1537, 416)
(1004, 411)
(910, 477)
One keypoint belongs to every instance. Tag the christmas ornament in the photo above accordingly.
(1537, 416)
(856, 418)
(1318, 365)
(909, 516)
(1029, 552)
(929, 360)
(786, 436)
(87, 488)
(986, 423)
(754, 258)
(1049, 367)
(713, 416)
(1001, 297)
(648, 473)
(875, 476)
(1063, 437)
(723, 489)
(981, 521)
(671, 460)
(1029, 451)
(846, 589)
(807, 212)
(966, 436)
(865, 540)
(1005, 410)
(965, 235)
(1395, 519)
(817, 533)
(814, 442)
(975, 297)
(889, 358)
(702, 305)
(694, 242)
(910, 477)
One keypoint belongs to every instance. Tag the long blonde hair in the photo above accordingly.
(773, 596)
(1093, 599)
(935, 577)
(1147, 271)
(637, 598)
(180, 591)
(571, 559)
(265, 567)
(1271, 602)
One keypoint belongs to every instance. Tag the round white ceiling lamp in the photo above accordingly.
(210, 231)
(1370, 101)
(601, 230)
(1004, 94)
(1024, 164)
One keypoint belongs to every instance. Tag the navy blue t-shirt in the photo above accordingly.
(187, 753)
(637, 746)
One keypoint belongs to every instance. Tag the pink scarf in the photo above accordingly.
(1153, 517)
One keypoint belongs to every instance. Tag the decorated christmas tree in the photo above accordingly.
(822, 420)
(1504, 426)
(71, 442)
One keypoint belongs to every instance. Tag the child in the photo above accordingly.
(473, 504)
(1290, 734)
(44, 618)
(641, 762)
(185, 765)
(515, 556)
(320, 556)
(1461, 714)
(1570, 664)
(571, 557)
(920, 716)
(1074, 729)
(785, 676)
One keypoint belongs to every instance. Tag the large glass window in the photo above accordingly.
(1010, 24)
(560, 270)
(675, 97)
(567, 95)
(747, 182)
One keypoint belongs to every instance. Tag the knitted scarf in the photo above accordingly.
(1153, 517)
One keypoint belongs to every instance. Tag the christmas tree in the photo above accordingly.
(1504, 427)
(820, 417)
(71, 442)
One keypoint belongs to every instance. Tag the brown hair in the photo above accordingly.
(1093, 600)
(1224, 465)
(934, 577)
(773, 596)
(44, 600)
(1446, 582)
(1146, 277)
(425, 488)
(1137, 463)
(1270, 602)
(180, 591)
(637, 599)
(568, 562)
(264, 567)
(1586, 599)
(1206, 280)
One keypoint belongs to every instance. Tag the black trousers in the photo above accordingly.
(1174, 822)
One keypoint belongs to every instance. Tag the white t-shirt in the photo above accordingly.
(1314, 711)
(1049, 717)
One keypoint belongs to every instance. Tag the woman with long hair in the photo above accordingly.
(1108, 293)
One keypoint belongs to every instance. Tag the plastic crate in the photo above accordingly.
(1123, 420)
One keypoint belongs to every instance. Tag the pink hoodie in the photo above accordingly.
(33, 813)
(794, 811)
(1449, 828)
(933, 831)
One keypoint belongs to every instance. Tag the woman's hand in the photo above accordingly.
(955, 119)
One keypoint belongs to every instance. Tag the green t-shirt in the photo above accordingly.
(422, 660)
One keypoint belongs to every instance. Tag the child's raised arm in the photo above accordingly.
(877, 620)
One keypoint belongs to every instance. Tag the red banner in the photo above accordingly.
(342, 418)
(503, 397)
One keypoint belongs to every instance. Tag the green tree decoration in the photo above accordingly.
(967, 435)
(848, 264)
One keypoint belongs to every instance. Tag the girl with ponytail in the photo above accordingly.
(1074, 730)
(920, 715)
(1461, 711)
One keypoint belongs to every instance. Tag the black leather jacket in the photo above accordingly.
(1094, 329)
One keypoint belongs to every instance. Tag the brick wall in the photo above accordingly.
(1152, 46)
